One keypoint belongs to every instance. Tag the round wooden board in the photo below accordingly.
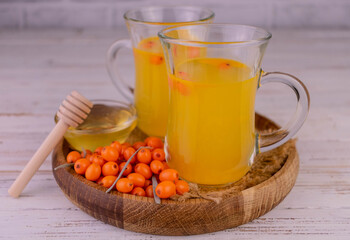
(194, 216)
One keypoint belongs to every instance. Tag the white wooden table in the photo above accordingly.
(39, 68)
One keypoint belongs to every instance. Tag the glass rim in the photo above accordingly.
(162, 35)
(211, 14)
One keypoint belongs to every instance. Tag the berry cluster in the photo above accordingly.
(130, 168)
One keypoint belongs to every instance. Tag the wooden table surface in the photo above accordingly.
(39, 68)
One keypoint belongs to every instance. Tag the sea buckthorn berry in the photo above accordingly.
(183, 75)
(128, 153)
(73, 156)
(93, 172)
(110, 153)
(148, 44)
(98, 150)
(124, 185)
(121, 155)
(147, 183)
(144, 156)
(86, 153)
(148, 139)
(193, 52)
(169, 175)
(182, 187)
(158, 154)
(128, 169)
(110, 169)
(99, 180)
(156, 166)
(166, 166)
(137, 179)
(81, 165)
(149, 191)
(108, 181)
(166, 189)
(144, 170)
(138, 191)
(224, 65)
(154, 142)
(117, 145)
(126, 145)
(137, 145)
(98, 159)
(156, 60)
(90, 157)
(183, 89)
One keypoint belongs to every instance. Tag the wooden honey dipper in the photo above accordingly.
(72, 112)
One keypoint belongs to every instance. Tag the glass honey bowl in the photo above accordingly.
(108, 121)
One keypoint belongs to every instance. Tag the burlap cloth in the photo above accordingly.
(265, 165)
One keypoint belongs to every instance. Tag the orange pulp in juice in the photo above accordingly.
(211, 131)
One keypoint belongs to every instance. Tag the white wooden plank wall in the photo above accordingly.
(22, 14)
(39, 68)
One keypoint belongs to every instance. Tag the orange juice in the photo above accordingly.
(151, 87)
(211, 131)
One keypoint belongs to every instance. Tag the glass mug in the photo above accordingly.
(151, 93)
(211, 137)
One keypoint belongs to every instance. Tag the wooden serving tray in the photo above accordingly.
(192, 216)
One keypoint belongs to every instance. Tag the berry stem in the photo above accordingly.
(154, 185)
(64, 165)
(122, 171)
(84, 152)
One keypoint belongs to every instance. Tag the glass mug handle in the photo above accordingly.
(272, 140)
(113, 71)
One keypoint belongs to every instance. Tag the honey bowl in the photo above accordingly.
(108, 121)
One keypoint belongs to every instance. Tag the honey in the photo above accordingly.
(108, 121)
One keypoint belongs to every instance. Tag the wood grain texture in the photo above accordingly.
(39, 68)
(194, 216)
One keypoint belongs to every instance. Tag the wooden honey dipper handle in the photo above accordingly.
(73, 111)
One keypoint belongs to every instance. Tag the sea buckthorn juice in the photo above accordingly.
(211, 137)
(151, 87)
(151, 84)
(151, 93)
(211, 143)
